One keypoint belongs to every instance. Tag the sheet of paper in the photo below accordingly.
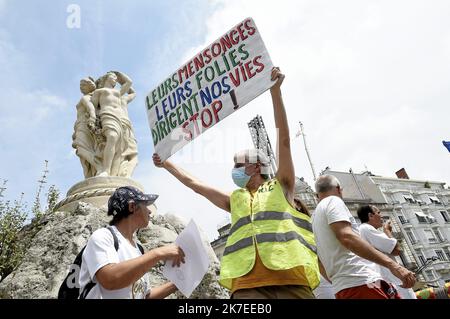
(189, 275)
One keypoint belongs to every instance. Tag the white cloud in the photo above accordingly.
(367, 79)
(33, 108)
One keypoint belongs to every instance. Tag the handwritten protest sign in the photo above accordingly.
(216, 82)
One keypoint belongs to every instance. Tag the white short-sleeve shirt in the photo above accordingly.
(383, 243)
(100, 252)
(344, 268)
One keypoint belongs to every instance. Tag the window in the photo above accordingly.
(440, 254)
(421, 217)
(420, 202)
(447, 252)
(429, 274)
(402, 219)
(444, 214)
(411, 236)
(431, 219)
(430, 236)
(434, 200)
(420, 256)
(438, 234)
(409, 198)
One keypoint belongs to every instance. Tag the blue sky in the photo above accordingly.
(368, 79)
(42, 61)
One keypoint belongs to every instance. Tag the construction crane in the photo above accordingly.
(261, 141)
(301, 132)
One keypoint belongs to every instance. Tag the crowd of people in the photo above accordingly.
(276, 249)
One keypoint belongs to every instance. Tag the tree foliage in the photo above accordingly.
(12, 219)
(15, 236)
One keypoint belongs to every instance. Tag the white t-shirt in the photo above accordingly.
(383, 243)
(324, 290)
(344, 268)
(100, 252)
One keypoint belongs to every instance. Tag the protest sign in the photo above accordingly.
(216, 82)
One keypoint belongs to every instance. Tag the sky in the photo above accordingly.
(369, 80)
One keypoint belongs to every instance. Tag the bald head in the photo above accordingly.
(328, 184)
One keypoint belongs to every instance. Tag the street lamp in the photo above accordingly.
(429, 262)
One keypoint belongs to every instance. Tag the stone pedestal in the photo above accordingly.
(94, 190)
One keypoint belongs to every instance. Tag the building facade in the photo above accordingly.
(420, 215)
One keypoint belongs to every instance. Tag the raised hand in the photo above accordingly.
(157, 160)
(278, 76)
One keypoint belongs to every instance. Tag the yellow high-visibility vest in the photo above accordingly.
(282, 235)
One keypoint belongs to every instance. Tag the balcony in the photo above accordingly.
(442, 267)
(411, 266)
(417, 244)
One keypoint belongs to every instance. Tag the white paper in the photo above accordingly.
(189, 275)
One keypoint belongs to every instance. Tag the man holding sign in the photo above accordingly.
(270, 251)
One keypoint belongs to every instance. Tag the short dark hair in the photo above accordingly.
(363, 213)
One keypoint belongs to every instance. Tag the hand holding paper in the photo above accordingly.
(172, 252)
(189, 274)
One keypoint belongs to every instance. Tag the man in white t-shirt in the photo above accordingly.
(107, 273)
(371, 220)
(348, 260)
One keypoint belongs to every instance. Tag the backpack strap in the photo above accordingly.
(91, 284)
(86, 289)
(116, 240)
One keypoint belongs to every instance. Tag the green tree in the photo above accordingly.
(52, 198)
(12, 219)
(15, 236)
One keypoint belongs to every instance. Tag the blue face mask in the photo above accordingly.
(240, 178)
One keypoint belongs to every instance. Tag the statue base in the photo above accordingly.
(94, 190)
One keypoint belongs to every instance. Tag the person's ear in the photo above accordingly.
(132, 206)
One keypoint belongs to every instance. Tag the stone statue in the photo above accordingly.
(84, 138)
(105, 141)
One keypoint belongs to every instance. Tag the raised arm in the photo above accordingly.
(387, 228)
(350, 240)
(215, 196)
(285, 173)
(130, 96)
(125, 82)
